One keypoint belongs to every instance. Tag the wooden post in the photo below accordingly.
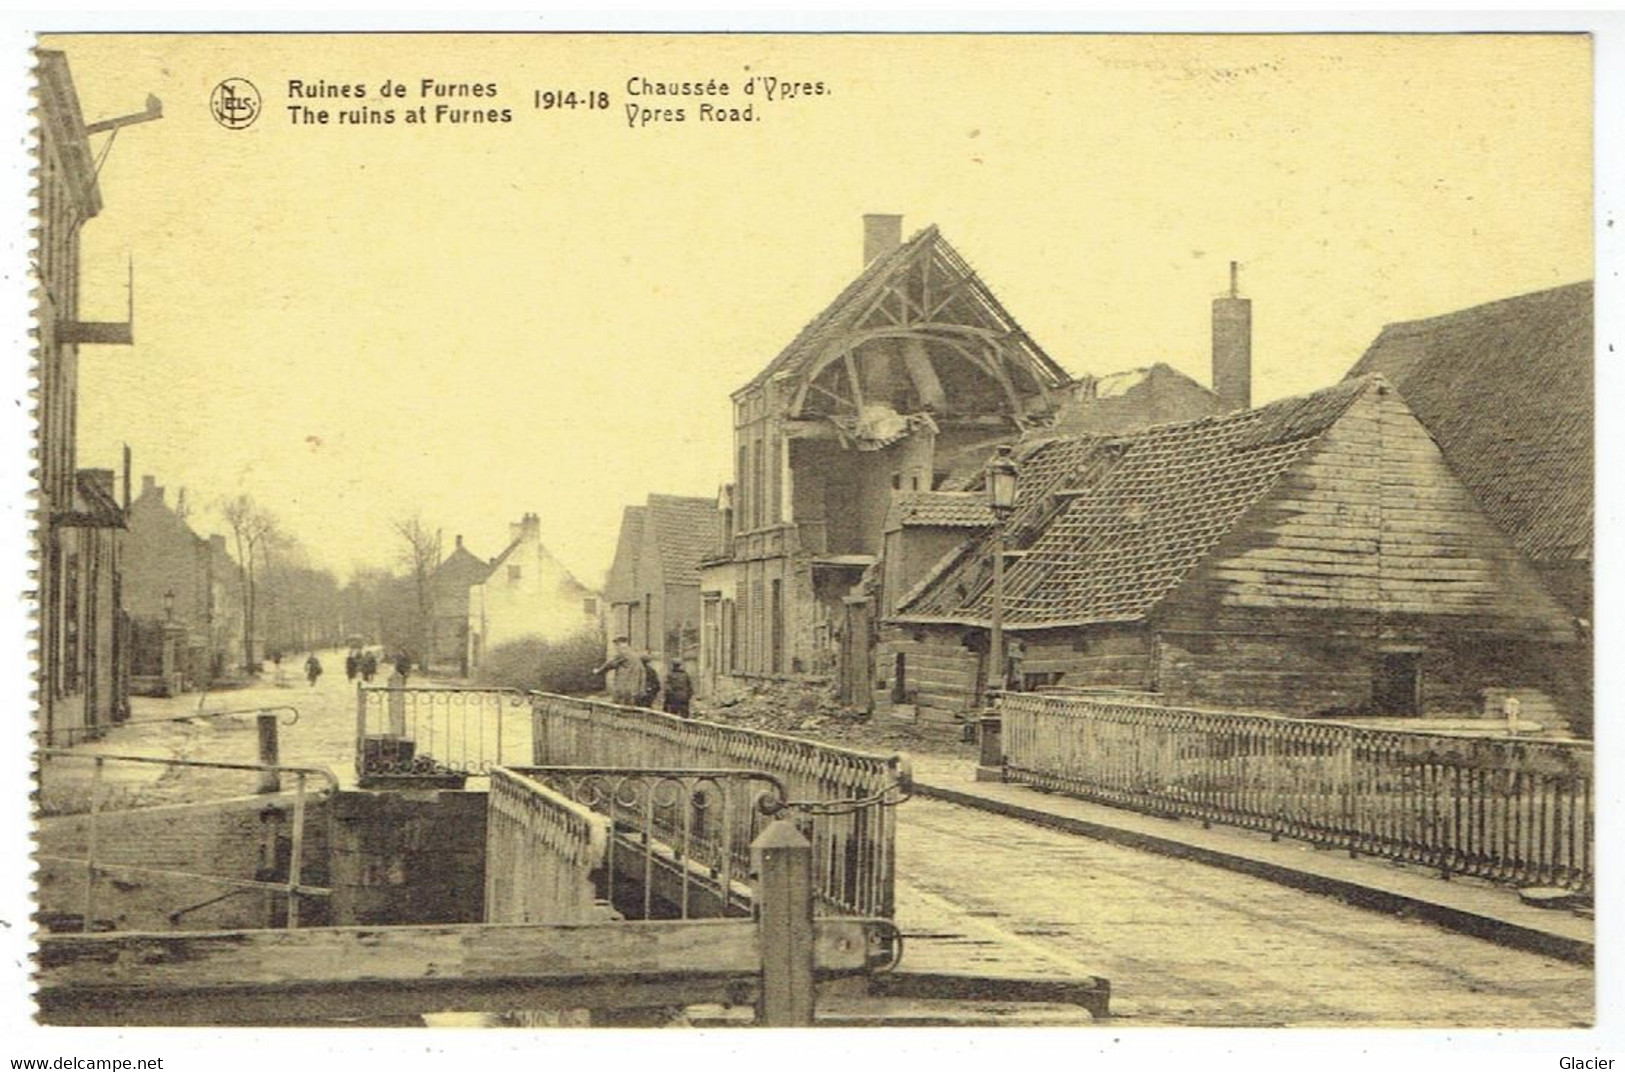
(270, 780)
(296, 855)
(990, 761)
(785, 897)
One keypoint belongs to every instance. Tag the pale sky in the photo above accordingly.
(549, 315)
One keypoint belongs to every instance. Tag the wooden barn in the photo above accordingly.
(1506, 390)
(1315, 556)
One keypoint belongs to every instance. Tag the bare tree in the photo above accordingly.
(250, 527)
(420, 556)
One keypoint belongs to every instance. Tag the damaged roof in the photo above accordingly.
(1109, 526)
(849, 309)
(1506, 390)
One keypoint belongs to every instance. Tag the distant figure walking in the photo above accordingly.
(369, 666)
(313, 669)
(352, 666)
(403, 665)
(679, 690)
(625, 673)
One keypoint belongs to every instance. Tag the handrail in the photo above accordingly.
(66, 753)
(846, 794)
(417, 731)
(293, 888)
(1504, 808)
(695, 823)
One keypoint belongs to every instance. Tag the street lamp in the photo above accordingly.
(169, 605)
(1002, 475)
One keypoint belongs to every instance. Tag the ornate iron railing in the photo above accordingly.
(435, 732)
(688, 831)
(842, 797)
(547, 858)
(1501, 808)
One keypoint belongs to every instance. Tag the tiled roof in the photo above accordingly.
(1506, 389)
(946, 509)
(684, 530)
(460, 569)
(855, 301)
(1111, 525)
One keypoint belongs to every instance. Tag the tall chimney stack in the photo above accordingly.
(1233, 347)
(881, 235)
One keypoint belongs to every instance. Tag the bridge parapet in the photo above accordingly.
(842, 798)
(1503, 808)
(546, 856)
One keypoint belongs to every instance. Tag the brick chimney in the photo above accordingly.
(459, 541)
(881, 235)
(149, 486)
(1233, 347)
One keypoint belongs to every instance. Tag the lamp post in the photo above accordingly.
(169, 605)
(1001, 476)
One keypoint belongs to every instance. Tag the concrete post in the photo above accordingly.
(783, 859)
(990, 761)
(397, 705)
(270, 781)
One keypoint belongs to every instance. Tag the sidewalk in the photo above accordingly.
(1467, 905)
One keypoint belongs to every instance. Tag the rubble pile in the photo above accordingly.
(810, 709)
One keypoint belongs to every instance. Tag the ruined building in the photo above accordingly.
(914, 368)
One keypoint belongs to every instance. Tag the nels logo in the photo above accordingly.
(235, 103)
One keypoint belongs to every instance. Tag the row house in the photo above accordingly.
(654, 582)
(83, 635)
(182, 593)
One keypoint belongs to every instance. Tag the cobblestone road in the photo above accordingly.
(1187, 944)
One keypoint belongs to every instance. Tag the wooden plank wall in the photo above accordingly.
(1368, 543)
(938, 668)
(1117, 656)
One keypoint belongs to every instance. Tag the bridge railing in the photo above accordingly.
(1502, 808)
(424, 733)
(547, 858)
(843, 798)
(687, 832)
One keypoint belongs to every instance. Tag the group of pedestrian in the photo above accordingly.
(362, 664)
(634, 682)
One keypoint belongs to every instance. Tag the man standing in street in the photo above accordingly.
(679, 690)
(625, 672)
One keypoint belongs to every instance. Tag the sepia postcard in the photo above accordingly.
(713, 530)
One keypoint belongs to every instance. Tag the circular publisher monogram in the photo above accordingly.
(235, 103)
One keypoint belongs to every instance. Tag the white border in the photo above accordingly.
(1105, 1045)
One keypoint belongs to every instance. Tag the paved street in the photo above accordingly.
(1187, 944)
(323, 736)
